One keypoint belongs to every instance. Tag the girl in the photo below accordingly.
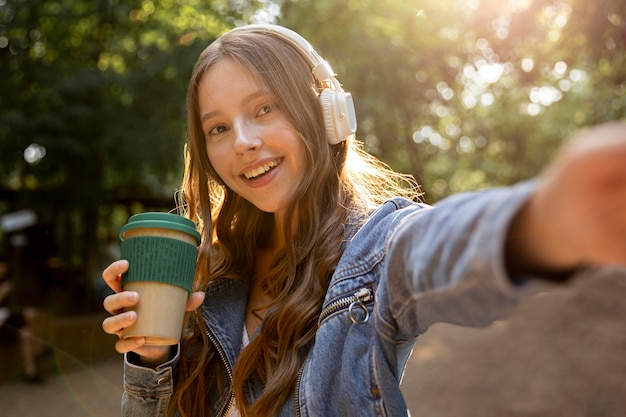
(318, 267)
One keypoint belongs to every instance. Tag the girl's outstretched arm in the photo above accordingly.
(577, 216)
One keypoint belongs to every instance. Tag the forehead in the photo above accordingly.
(228, 76)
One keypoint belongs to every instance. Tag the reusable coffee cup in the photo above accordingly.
(161, 249)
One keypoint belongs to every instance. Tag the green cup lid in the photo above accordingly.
(162, 221)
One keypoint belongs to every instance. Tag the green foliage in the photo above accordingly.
(92, 110)
(463, 94)
(469, 94)
(100, 85)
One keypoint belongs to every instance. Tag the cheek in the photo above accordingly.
(219, 161)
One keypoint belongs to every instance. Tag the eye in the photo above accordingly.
(217, 130)
(266, 109)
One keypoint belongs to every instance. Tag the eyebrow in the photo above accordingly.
(246, 100)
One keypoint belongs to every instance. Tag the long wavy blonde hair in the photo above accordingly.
(341, 184)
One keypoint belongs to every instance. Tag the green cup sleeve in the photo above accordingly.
(159, 259)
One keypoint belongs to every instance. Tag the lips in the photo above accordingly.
(261, 169)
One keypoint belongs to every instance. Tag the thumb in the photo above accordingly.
(195, 300)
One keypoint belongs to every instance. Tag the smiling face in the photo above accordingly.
(250, 141)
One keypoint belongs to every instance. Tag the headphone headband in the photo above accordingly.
(337, 105)
(320, 68)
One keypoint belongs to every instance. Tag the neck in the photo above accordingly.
(258, 298)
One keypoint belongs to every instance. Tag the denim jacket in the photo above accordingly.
(409, 266)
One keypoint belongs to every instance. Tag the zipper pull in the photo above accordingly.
(360, 297)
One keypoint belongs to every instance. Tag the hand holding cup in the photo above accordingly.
(159, 251)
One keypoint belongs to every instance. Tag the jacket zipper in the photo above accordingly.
(355, 300)
(297, 391)
(222, 354)
(296, 399)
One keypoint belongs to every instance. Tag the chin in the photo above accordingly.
(271, 208)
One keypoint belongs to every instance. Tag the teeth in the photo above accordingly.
(261, 170)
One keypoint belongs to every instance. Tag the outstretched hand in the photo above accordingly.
(117, 304)
(577, 216)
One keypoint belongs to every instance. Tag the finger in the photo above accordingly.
(116, 324)
(195, 300)
(112, 274)
(150, 355)
(115, 303)
(130, 344)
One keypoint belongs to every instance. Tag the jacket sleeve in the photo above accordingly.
(446, 263)
(147, 391)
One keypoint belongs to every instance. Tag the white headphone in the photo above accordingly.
(337, 105)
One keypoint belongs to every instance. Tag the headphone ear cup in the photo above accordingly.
(339, 115)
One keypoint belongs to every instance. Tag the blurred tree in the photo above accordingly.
(461, 93)
(92, 109)
(468, 94)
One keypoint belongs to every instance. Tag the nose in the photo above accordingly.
(247, 139)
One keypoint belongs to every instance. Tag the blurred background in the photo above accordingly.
(463, 94)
